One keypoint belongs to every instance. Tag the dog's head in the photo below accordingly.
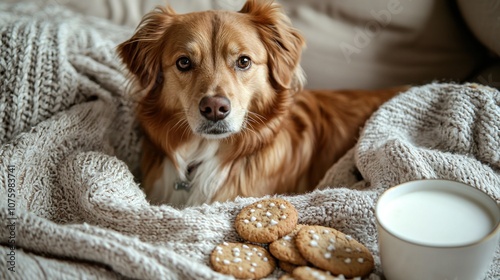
(217, 72)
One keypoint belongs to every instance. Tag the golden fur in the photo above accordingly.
(277, 138)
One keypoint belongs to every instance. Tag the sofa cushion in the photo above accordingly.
(483, 18)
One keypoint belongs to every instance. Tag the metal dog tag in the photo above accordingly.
(182, 185)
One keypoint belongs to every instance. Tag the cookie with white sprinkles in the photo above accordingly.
(266, 220)
(332, 250)
(284, 249)
(242, 260)
(309, 273)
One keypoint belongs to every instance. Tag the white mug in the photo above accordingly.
(436, 229)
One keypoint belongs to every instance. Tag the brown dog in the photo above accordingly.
(223, 109)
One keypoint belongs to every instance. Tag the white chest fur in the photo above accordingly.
(204, 179)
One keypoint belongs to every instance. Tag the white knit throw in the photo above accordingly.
(69, 140)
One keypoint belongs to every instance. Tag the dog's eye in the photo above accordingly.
(183, 64)
(243, 62)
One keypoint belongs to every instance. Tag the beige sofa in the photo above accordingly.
(367, 44)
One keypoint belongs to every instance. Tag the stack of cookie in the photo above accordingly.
(304, 251)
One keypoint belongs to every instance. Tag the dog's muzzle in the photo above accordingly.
(215, 110)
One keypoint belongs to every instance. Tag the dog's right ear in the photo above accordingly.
(142, 53)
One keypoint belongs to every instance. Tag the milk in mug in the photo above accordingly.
(436, 218)
(436, 229)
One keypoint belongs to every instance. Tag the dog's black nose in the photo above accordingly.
(215, 108)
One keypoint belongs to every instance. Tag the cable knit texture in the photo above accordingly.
(70, 140)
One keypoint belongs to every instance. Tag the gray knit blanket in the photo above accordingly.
(71, 208)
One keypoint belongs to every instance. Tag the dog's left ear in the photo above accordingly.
(283, 43)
